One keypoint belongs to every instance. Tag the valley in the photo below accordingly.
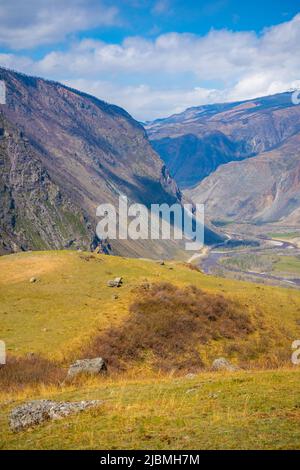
(160, 319)
(149, 231)
(241, 160)
(270, 258)
(62, 154)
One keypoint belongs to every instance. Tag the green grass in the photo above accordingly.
(284, 235)
(263, 263)
(288, 264)
(245, 410)
(250, 262)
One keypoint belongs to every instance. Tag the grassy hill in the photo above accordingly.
(69, 310)
(257, 410)
(70, 300)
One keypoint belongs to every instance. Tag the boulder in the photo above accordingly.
(87, 366)
(32, 280)
(117, 282)
(37, 411)
(222, 364)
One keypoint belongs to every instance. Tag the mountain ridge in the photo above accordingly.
(91, 152)
(244, 130)
(268, 188)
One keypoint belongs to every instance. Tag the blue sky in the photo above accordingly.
(156, 57)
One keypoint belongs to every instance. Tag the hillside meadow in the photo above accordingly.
(157, 394)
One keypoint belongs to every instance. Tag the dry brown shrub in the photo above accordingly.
(20, 372)
(192, 267)
(168, 323)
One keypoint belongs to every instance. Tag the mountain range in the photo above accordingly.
(62, 153)
(242, 160)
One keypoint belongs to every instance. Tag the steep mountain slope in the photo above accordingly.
(63, 153)
(262, 189)
(196, 142)
(33, 211)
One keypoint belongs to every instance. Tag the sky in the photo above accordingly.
(156, 57)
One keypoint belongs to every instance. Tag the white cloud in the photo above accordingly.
(30, 23)
(144, 102)
(157, 77)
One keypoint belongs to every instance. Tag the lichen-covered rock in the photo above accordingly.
(37, 411)
(87, 366)
(223, 364)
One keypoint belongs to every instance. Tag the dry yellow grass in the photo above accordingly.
(144, 409)
(244, 410)
(71, 301)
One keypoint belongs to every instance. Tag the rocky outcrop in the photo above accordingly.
(223, 364)
(38, 411)
(34, 213)
(87, 366)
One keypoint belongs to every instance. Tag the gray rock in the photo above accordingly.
(37, 411)
(222, 364)
(87, 366)
(117, 282)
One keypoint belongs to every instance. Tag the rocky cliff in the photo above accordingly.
(34, 213)
(62, 154)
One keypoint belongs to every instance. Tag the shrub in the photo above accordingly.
(20, 372)
(168, 324)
